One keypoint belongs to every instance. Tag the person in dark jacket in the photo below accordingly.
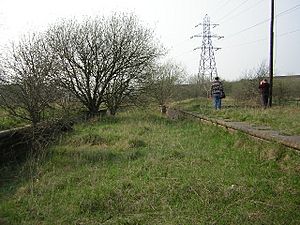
(264, 88)
(216, 91)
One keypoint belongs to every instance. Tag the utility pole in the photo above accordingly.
(207, 65)
(271, 64)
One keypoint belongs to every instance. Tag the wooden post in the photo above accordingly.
(271, 66)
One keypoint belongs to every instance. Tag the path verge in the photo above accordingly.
(265, 133)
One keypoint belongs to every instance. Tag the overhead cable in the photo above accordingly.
(296, 7)
(248, 28)
(230, 12)
(224, 4)
(262, 39)
(248, 8)
(290, 32)
(288, 11)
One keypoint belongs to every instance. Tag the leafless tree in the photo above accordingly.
(27, 87)
(283, 91)
(247, 88)
(165, 78)
(101, 59)
(1, 76)
(124, 88)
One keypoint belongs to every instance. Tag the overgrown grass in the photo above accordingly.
(141, 168)
(285, 119)
(8, 122)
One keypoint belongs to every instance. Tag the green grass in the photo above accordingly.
(141, 168)
(8, 122)
(285, 119)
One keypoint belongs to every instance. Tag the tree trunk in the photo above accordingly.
(93, 111)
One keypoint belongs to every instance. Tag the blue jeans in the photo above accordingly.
(217, 101)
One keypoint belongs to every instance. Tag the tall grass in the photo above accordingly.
(141, 168)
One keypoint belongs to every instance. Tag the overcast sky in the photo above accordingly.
(243, 23)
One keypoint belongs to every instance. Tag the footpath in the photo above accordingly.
(261, 132)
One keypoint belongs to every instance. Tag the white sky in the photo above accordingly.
(174, 22)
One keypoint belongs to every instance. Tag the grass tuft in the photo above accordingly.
(137, 143)
(90, 139)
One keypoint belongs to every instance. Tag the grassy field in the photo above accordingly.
(142, 168)
(285, 119)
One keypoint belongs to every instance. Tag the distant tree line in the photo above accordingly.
(245, 90)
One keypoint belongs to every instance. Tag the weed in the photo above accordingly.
(137, 143)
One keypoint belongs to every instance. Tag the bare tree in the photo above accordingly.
(1, 76)
(165, 78)
(282, 91)
(27, 87)
(247, 88)
(102, 57)
(124, 88)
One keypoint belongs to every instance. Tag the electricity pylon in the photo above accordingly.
(207, 65)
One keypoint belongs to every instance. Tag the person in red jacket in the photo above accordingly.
(264, 88)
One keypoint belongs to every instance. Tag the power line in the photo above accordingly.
(225, 3)
(230, 12)
(264, 21)
(251, 7)
(262, 39)
(248, 28)
(247, 43)
(288, 11)
(290, 32)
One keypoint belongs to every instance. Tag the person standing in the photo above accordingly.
(264, 88)
(216, 91)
